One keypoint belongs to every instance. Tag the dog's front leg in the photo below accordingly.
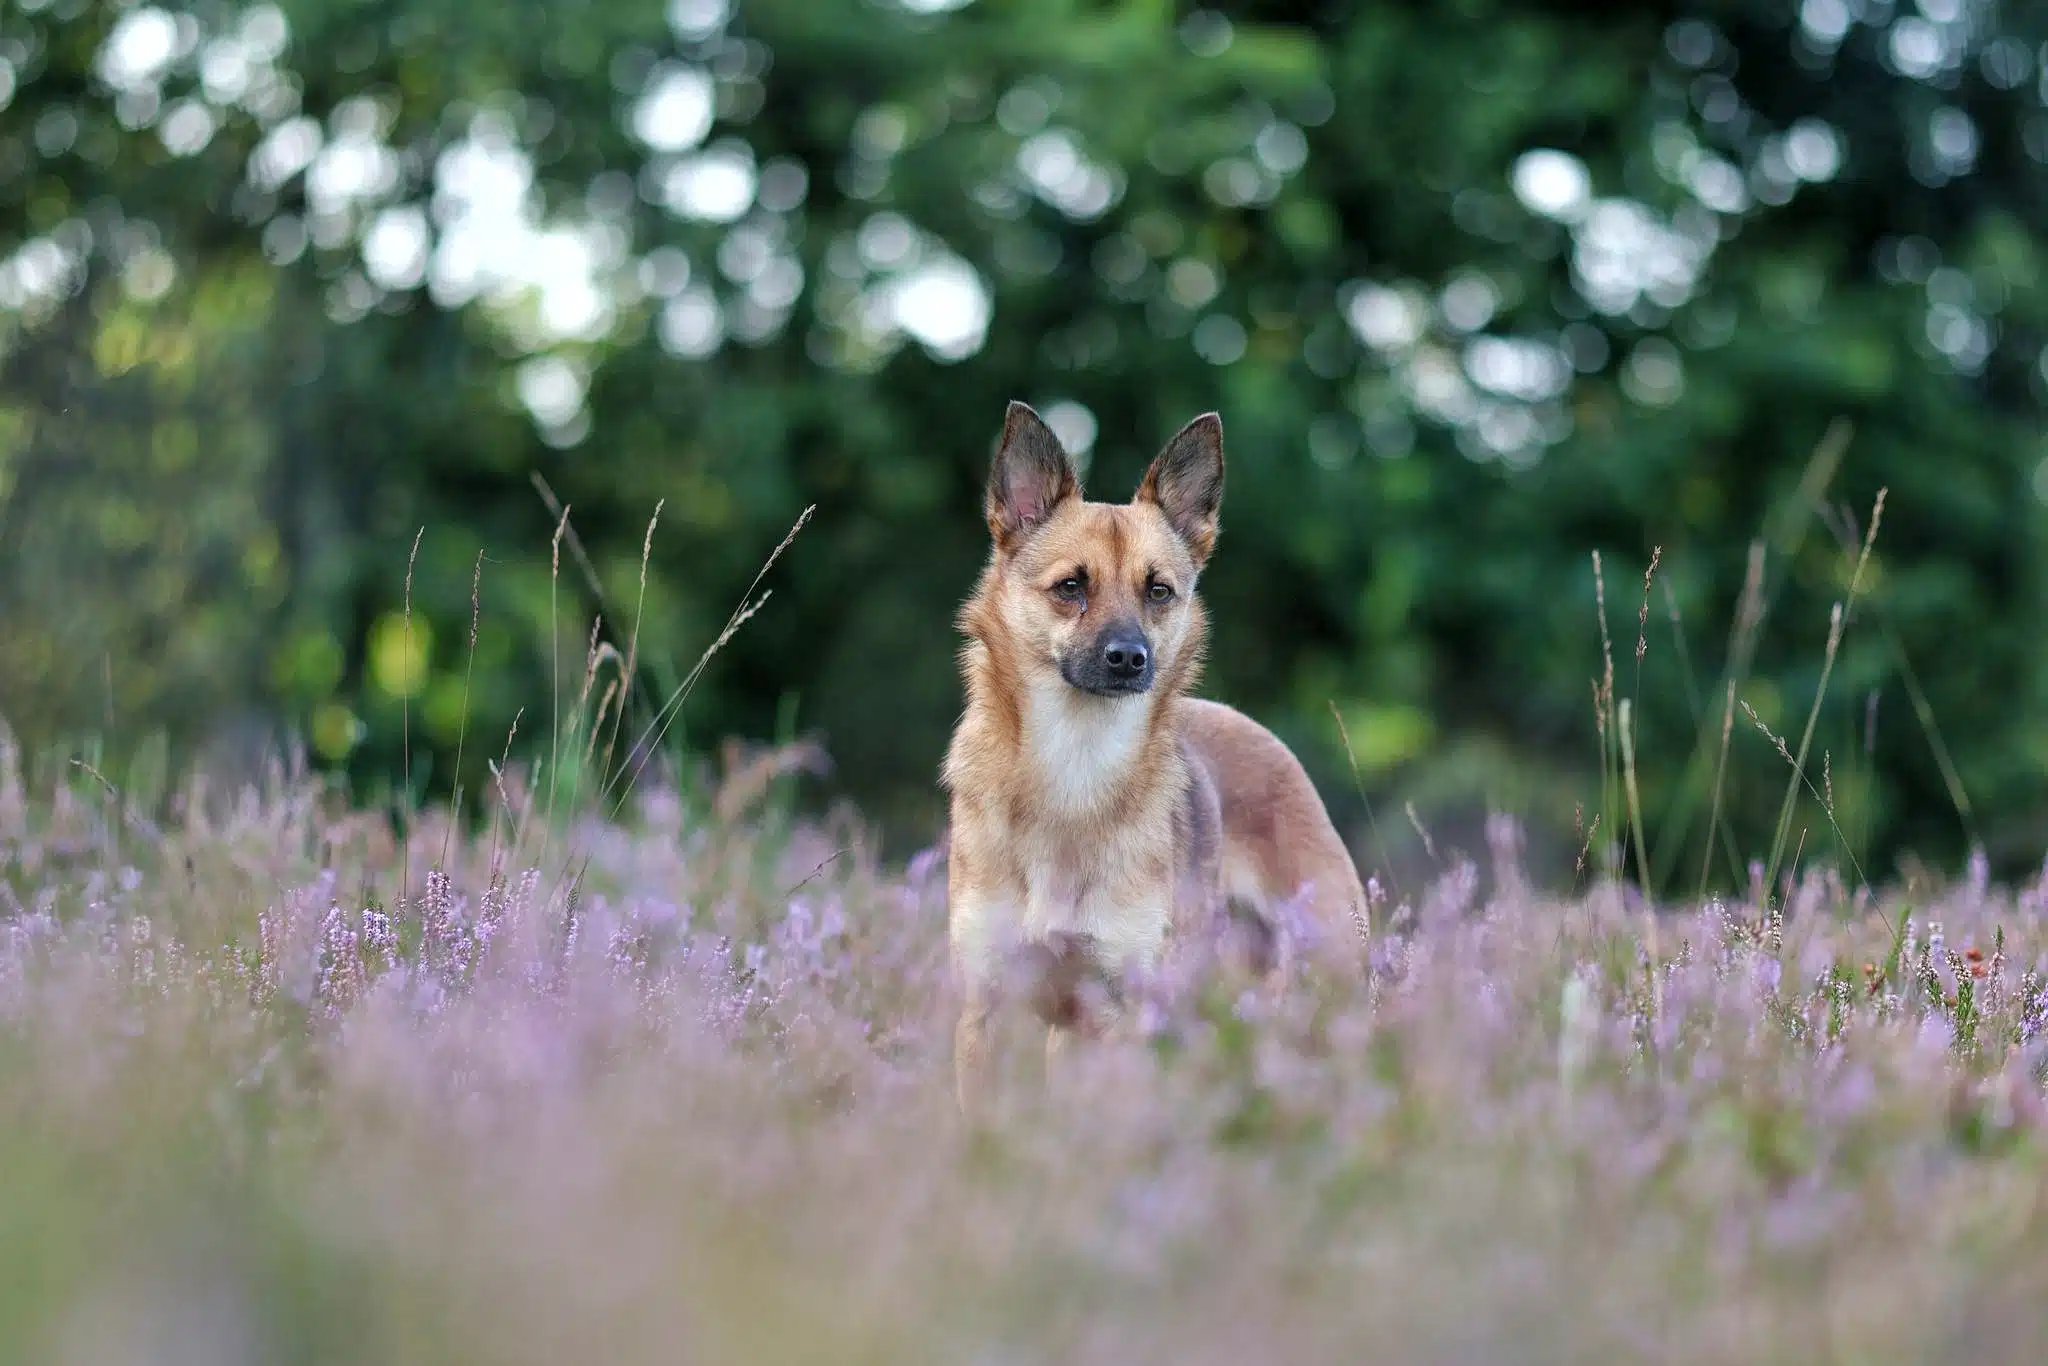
(970, 1055)
(975, 923)
(1086, 1001)
(1060, 1041)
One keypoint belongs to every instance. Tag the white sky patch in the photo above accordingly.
(1826, 21)
(779, 285)
(674, 113)
(1281, 148)
(1507, 430)
(691, 326)
(892, 281)
(225, 70)
(492, 245)
(41, 272)
(1960, 335)
(265, 33)
(1061, 174)
(552, 390)
(186, 128)
(285, 151)
(139, 49)
(663, 272)
(1624, 253)
(943, 306)
(1717, 184)
(695, 20)
(1514, 367)
(396, 247)
(565, 268)
(1813, 150)
(885, 241)
(1384, 318)
(715, 186)
(1073, 424)
(1917, 48)
(1469, 302)
(355, 167)
(1953, 136)
(1552, 183)
(1438, 387)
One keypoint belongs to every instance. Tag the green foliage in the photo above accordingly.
(251, 344)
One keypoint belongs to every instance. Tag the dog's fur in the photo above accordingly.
(1097, 808)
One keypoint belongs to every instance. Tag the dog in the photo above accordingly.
(1097, 809)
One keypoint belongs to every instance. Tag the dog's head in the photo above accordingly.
(1103, 592)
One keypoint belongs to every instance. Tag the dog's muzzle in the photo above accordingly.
(1119, 664)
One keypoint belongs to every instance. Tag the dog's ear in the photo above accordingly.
(1186, 483)
(1031, 476)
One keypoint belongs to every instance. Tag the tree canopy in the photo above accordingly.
(1480, 288)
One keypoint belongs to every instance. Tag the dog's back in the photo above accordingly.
(1275, 840)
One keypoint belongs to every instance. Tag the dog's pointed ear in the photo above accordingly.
(1186, 483)
(1032, 475)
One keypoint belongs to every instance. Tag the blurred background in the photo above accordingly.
(1480, 287)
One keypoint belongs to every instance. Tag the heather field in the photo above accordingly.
(270, 1092)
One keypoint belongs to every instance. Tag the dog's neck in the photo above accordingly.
(1085, 750)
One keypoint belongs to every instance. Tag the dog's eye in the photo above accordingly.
(1160, 592)
(1070, 589)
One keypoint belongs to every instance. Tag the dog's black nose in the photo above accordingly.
(1125, 656)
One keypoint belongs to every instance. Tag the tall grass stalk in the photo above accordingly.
(1837, 624)
(1626, 727)
(1784, 532)
(405, 721)
(1748, 622)
(1923, 713)
(476, 611)
(672, 707)
(554, 678)
(1358, 782)
(1603, 719)
(633, 641)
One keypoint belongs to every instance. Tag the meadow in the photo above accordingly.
(570, 1051)
(673, 1085)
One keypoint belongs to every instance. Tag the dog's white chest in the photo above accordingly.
(1124, 934)
(1083, 747)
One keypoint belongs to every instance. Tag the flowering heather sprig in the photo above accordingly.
(2033, 1007)
(142, 949)
(380, 937)
(922, 866)
(341, 979)
(289, 943)
(1390, 957)
(1977, 878)
(440, 923)
(269, 954)
(1504, 841)
(1452, 894)
(2032, 901)
(572, 925)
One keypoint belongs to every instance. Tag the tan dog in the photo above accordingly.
(1096, 808)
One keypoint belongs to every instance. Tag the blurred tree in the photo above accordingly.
(1480, 288)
